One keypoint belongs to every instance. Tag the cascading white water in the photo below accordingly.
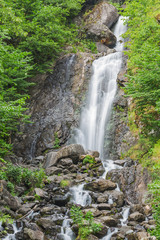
(101, 94)
(125, 214)
(13, 235)
(95, 116)
(80, 196)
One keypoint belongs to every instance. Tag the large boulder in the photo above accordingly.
(100, 185)
(7, 199)
(138, 217)
(33, 234)
(109, 221)
(70, 152)
(98, 22)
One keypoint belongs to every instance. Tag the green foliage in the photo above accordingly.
(86, 224)
(64, 183)
(16, 175)
(155, 190)
(56, 141)
(11, 188)
(33, 33)
(5, 218)
(89, 159)
(144, 62)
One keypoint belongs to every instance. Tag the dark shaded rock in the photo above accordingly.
(104, 206)
(102, 232)
(61, 200)
(49, 223)
(54, 105)
(120, 162)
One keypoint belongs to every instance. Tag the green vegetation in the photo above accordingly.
(15, 175)
(5, 218)
(64, 183)
(86, 224)
(89, 159)
(56, 141)
(143, 50)
(33, 34)
(144, 63)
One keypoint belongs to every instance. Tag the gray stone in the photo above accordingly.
(51, 160)
(117, 197)
(139, 217)
(109, 221)
(100, 185)
(54, 170)
(41, 193)
(33, 235)
(98, 22)
(66, 162)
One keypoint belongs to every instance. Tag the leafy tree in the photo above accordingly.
(144, 62)
(33, 33)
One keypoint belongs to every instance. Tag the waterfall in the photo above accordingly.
(102, 90)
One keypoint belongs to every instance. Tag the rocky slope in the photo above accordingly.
(42, 216)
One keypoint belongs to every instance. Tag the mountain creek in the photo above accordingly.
(82, 105)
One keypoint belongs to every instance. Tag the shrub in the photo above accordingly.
(16, 175)
(89, 159)
(86, 224)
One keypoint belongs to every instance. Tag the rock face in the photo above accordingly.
(132, 181)
(98, 22)
(54, 105)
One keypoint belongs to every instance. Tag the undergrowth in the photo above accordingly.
(85, 222)
(20, 176)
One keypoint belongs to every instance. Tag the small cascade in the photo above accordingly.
(66, 231)
(125, 214)
(102, 90)
(13, 235)
(109, 165)
(109, 234)
(80, 196)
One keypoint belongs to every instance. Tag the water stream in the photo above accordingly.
(95, 117)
